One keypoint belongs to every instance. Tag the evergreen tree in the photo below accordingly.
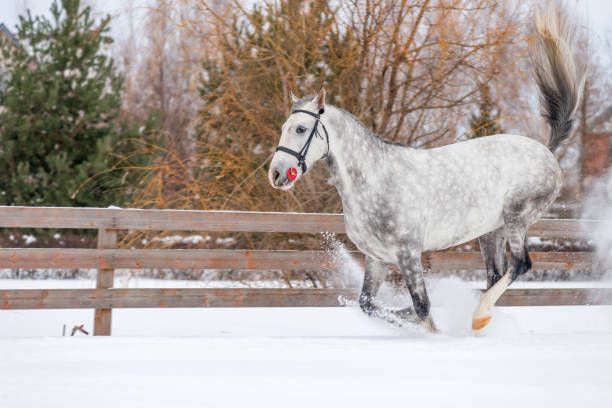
(486, 123)
(59, 116)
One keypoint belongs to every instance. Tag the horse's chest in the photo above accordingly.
(373, 233)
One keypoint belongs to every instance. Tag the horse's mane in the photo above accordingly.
(300, 104)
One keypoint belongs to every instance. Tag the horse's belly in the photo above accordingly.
(455, 228)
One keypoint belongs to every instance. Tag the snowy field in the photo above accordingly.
(306, 357)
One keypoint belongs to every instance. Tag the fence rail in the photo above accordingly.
(195, 297)
(107, 257)
(71, 258)
(222, 221)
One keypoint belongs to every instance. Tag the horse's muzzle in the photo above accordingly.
(278, 179)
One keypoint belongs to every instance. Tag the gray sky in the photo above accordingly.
(597, 13)
(11, 9)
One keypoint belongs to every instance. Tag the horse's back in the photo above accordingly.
(522, 162)
(505, 160)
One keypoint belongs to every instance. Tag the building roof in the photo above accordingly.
(4, 30)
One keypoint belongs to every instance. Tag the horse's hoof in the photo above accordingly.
(480, 322)
(429, 325)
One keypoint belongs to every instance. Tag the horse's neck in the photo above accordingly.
(355, 155)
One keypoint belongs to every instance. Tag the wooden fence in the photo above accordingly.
(106, 258)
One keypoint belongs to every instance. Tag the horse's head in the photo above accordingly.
(304, 140)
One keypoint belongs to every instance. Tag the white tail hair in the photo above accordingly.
(555, 72)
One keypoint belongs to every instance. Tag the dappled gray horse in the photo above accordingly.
(399, 201)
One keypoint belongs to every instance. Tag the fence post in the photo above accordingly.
(107, 239)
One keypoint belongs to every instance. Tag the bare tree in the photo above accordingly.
(162, 60)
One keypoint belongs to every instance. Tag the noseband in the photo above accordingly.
(301, 155)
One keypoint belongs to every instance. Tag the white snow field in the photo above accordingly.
(307, 357)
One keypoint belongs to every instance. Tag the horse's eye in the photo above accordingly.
(300, 129)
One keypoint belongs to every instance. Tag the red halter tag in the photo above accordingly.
(291, 173)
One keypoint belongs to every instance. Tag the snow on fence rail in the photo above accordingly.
(107, 258)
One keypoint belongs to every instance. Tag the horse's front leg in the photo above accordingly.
(375, 273)
(411, 268)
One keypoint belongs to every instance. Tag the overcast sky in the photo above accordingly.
(597, 13)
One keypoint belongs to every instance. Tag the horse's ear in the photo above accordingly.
(320, 99)
(293, 98)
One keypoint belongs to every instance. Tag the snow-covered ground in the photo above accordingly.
(307, 357)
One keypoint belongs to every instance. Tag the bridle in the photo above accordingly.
(301, 155)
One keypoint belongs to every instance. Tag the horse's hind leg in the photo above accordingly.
(518, 216)
(493, 249)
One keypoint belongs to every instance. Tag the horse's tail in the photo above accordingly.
(555, 73)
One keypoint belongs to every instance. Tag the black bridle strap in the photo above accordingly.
(301, 155)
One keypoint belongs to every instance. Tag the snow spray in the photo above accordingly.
(346, 271)
(598, 206)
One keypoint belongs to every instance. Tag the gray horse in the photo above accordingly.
(491, 188)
